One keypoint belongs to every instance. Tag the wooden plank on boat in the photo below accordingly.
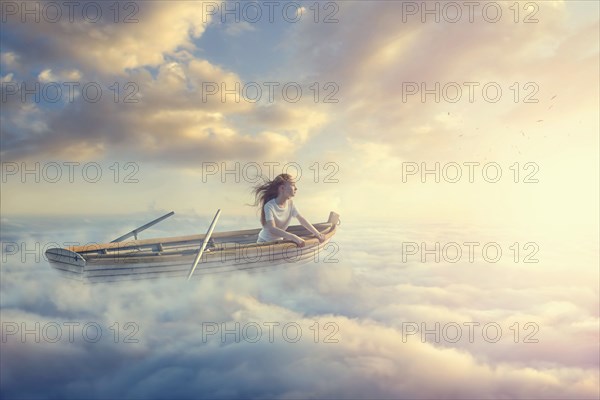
(187, 243)
(215, 265)
(219, 236)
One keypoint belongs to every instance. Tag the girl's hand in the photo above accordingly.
(321, 237)
(299, 241)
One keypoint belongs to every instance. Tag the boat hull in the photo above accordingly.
(173, 257)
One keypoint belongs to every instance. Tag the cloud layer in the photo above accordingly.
(343, 330)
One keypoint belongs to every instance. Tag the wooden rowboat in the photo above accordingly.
(175, 256)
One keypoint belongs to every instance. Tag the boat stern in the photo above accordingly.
(334, 218)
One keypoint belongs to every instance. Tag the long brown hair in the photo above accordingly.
(267, 192)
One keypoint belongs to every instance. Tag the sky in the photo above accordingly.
(443, 120)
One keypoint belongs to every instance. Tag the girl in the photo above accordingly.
(277, 210)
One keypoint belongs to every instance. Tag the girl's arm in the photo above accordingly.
(275, 231)
(311, 228)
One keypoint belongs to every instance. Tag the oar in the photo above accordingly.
(206, 238)
(135, 232)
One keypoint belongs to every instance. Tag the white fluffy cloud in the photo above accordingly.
(360, 346)
(159, 100)
(139, 35)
